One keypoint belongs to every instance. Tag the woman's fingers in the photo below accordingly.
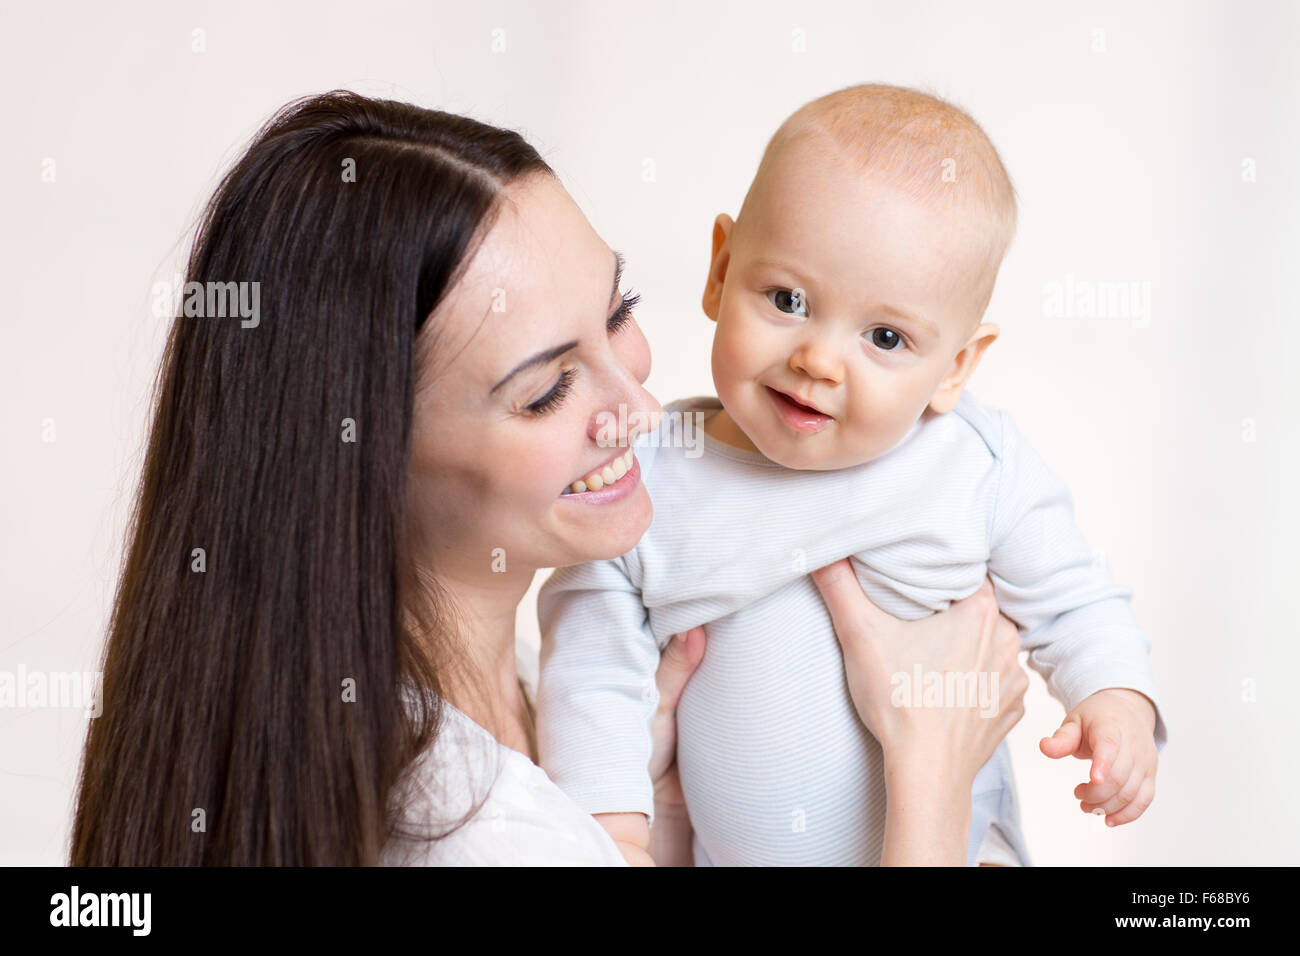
(1015, 682)
(850, 608)
(981, 605)
(676, 665)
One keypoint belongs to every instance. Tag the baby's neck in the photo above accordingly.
(721, 427)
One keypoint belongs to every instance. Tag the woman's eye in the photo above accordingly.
(789, 301)
(555, 397)
(623, 314)
(886, 339)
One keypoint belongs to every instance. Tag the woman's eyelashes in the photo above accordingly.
(795, 302)
(556, 396)
(623, 314)
(560, 390)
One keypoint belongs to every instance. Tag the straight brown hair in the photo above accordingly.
(267, 567)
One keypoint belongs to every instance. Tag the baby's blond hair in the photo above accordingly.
(923, 146)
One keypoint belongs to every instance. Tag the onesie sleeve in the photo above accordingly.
(1075, 621)
(596, 694)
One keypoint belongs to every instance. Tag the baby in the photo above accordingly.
(848, 295)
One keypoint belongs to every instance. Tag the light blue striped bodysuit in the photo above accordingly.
(776, 766)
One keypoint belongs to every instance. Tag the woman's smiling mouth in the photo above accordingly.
(609, 482)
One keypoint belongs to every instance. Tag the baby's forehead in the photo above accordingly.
(811, 181)
(921, 175)
(928, 149)
(840, 226)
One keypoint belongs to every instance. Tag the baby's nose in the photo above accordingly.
(818, 360)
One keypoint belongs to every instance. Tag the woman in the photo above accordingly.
(311, 653)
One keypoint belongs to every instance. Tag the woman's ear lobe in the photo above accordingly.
(718, 262)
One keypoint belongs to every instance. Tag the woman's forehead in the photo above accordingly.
(537, 276)
(540, 246)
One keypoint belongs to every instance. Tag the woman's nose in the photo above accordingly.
(629, 412)
(620, 424)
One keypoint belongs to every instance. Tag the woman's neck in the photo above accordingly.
(488, 690)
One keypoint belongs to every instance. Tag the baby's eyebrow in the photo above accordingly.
(906, 316)
(767, 262)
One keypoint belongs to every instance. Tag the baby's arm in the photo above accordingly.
(1078, 626)
(597, 696)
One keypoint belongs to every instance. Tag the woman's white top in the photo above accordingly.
(526, 819)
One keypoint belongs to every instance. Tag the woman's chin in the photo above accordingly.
(608, 531)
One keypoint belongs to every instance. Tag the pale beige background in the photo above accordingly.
(1127, 148)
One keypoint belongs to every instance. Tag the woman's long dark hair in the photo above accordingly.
(227, 735)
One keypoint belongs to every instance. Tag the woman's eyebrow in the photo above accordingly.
(541, 358)
(618, 275)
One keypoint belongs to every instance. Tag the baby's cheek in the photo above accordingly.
(733, 353)
(724, 362)
(881, 421)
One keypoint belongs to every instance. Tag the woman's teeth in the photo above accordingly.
(611, 473)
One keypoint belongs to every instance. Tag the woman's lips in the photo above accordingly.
(625, 481)
(798, 416)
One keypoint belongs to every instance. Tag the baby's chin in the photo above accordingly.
(824, 451)
(827, 450)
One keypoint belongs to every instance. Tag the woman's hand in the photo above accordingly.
(668, 842)
(931, 753)
(670, 837)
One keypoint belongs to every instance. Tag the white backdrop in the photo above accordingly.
(1151, 143)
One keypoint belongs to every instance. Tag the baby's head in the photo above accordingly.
(856, 275)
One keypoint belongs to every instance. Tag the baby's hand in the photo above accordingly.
(1116, 729)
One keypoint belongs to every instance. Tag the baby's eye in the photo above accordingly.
(886, 339)
(789, 301)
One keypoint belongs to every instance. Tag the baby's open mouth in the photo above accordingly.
(802, 418)
(798, 404)
(605, 475)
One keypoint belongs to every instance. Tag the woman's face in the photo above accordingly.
(519, 368)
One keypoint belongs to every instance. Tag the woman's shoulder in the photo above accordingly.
(524, 819)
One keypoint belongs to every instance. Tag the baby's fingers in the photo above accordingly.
(1146, 793)
(1104, 741)
(1122, 773)
(1124, 790)
(1065, 741)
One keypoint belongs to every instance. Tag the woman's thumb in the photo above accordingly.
(677, 663)
(848, 604)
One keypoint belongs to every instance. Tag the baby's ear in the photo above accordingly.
(963, 365)
(718, 262)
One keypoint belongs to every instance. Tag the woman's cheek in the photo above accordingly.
(550, 470)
